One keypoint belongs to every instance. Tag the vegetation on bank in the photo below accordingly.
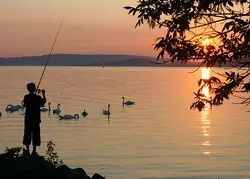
(15, 163)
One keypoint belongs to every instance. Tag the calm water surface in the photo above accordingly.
(158, 137)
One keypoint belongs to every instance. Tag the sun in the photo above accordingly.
(206, 42)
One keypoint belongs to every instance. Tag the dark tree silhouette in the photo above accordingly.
(224, 23)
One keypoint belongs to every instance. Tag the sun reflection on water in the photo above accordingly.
(205, 121)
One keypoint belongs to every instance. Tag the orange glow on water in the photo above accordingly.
(205, 74)
(205, 91)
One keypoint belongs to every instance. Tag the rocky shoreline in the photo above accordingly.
(15, 164)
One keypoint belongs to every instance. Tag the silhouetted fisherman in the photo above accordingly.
(32, 119)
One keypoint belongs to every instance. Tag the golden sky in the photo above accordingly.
(28, 27)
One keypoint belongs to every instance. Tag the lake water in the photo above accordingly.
(158, 137)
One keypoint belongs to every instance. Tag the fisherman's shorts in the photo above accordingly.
(32, 132)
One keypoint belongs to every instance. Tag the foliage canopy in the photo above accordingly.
(225, 23)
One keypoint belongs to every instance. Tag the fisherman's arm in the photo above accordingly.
(44, 100)
(24, 102)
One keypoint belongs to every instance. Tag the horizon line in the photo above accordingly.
(76, 54)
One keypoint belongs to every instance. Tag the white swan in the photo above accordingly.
(106, 112)
(11, 108)
(84, 113)
(43, 109)
(76, 116)
(57, 110)
(127, 102)
(216, 101)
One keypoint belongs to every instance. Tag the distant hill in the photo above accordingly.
(85, 60)
(148, 62)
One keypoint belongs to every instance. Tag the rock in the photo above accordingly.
(81, 173)
(97, 176)
(36, 167)
(15, 165)
(64, 172)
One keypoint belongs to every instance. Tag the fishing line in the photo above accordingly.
(51, 50)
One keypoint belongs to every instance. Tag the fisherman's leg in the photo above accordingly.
(27, 138)
(34, 149)
(36, 141)
(28, 149)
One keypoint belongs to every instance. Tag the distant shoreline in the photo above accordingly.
(99, 66)
(77, 60)
(154, 66)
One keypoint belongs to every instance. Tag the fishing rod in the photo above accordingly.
(51, 50)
